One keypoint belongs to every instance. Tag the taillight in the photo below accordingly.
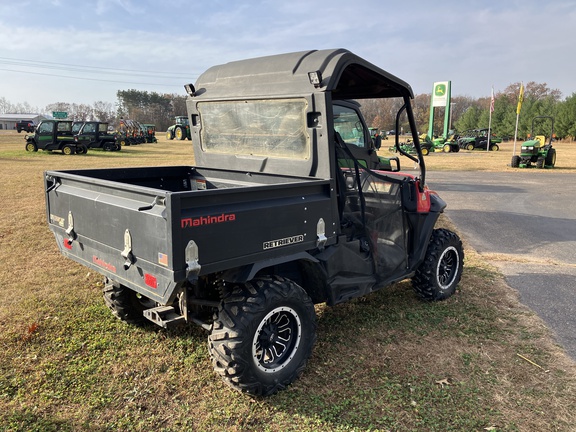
(423, 204)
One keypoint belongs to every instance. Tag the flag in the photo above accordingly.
(520, 98)
(492, 101)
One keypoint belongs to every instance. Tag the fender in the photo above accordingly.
(245, 273)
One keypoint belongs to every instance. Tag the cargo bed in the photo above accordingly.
(134, 225)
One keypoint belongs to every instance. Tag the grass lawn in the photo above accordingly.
(478, 361)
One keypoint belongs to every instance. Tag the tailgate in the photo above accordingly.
(120, 230)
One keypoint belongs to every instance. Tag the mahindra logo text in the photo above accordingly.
(105, 265)
(207, 220)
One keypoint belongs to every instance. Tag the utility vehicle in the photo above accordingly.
(54, 135)
(93, 134)
(478, 139)
(287, 206)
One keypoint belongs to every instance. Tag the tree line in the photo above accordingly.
(142, 106)
(466, 112)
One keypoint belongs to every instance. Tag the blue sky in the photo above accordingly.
(85, 51)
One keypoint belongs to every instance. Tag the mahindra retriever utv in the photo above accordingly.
(288, 205)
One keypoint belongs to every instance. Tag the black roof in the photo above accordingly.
(344, 74)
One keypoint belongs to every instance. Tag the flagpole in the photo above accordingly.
(515, 134)
(490, 119)
(518, 108)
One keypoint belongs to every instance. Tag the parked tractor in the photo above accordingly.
(438, 144)
(149, 131)
(536, 151)
(180, 130)
(130, 133)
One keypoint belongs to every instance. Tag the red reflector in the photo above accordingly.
(150, 281)
(67, 244)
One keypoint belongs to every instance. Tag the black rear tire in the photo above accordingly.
(180, 133)
(441, 270)
(125, 304)
(263, 335)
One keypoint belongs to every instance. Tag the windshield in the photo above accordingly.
(348, 125)
(256, 127)
(76, 127)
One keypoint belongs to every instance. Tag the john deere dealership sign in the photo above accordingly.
(440, 99)
(441, 95)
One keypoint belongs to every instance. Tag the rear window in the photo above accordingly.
(272, 128)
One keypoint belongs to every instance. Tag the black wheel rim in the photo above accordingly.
(448, 265)
(276, 339)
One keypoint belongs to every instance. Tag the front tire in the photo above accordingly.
(551, 158)
(68, 149)
(439, 274)
(263, 335)
(169, 136)
(515, 161)
(470, 147)
(31, 147)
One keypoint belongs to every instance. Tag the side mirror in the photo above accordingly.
(377, 142)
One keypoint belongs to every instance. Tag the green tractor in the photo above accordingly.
(149, 131)
(438, 144)
(180, 130)
(536, 151)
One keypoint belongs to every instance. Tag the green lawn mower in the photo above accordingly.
(536, 151)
